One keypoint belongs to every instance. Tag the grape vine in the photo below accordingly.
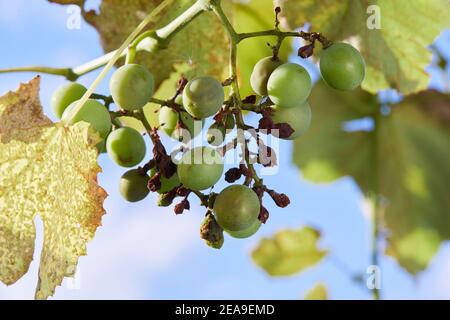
(281, 93)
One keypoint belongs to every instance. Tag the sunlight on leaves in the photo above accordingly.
(408, 156)
(289, 252)
(51, 171)
(396, 54)
(319, 292)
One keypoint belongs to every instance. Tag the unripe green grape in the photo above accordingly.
(92, 112)
(299, 118)
(126, 147)
(246, 233)
(168, 121)
(236, 208)
(131, 86)
(289, 85)
(342, 66)
(261, 73)
(203, 97)
(216, 134)
(200, 168)
(133, 186)
(167, 184)
(65, 95)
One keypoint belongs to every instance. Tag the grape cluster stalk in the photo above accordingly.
(281, 92)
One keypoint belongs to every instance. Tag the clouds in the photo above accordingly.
(134, 246)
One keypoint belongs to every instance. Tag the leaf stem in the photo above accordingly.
(150, 41)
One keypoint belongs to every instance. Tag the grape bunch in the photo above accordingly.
(281, 93)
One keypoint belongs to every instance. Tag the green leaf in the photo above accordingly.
(289, 252)
(49, 170)
(319, 292)
(203, 45)
(255, 15)
(405, 161)
(396, 55)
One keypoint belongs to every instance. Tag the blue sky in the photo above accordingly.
(145, 252)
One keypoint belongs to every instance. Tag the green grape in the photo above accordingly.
(342, 66)
(92, 112)
(200, 168)
(65, 95)
(131, 86)
(167, 184)
(246, 233)
(299, 118)
(216, 134)
(203, 97)
(168, 120)
(236, 208)
(133, 186)
(261, 73)
(289, 85)
(126, 147)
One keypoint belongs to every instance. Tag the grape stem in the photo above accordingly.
(152, 41)
(235, 93)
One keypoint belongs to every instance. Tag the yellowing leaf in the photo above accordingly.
(319, 292)
(48, 170)
(406, 158)
(289, 252)
(396, 54)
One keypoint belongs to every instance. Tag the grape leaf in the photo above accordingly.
(289, 252)
(48, 170)
(407, 157)
(396, 55)
(203, 44)
(319, 292)
(255, 15)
